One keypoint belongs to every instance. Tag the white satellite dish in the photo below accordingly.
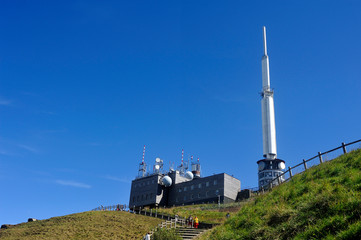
(189, 175)
(167, 181)
(261, 166)
(156, 167)
(281, 165)
(157, 160)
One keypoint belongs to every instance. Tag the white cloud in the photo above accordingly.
(6, 153)
(30, 149)
(5, 102)
(72, 184)
(123, 180)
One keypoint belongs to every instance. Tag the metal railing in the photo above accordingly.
(306, 164)
(117, 207)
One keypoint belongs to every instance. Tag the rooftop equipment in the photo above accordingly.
(196, 168)
(142, 171)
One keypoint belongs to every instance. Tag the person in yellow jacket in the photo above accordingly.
(196, 222)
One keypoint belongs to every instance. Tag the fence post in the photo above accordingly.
(320, 157)
(290, 170)
(344, 148)
(262, 189)
(278, 180)
(151, 212)
(305, 164)
(156, 212)
(270, 185)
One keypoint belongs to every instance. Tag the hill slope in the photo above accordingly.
(322, 203)
(86, 225)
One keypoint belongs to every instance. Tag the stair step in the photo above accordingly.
(189, 233)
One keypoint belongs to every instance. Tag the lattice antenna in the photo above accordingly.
(143, 154)
(142, 171)
(182, 156)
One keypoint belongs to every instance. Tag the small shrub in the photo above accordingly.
(166, 234)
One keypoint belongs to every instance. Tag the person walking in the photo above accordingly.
(196, 222)
(190, 220)
(147, 236)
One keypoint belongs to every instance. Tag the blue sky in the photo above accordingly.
(85, 84)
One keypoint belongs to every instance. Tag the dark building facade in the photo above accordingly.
(149, 192)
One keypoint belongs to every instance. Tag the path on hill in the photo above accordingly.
(185, 230)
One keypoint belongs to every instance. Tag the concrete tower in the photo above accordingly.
(269, 167)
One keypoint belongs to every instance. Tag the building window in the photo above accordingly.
(215, 182)
(207, 194)
(200, 185)
(217, 192)
(199, 195)
(185, 188)
(153, 181)
(133, 199)
(192, 196)
(207, 184)
(142, 197)
(151, 196)
(192, 187)
(147, 182)
(177, 199)
(268, 174)
(180, 190)
(146, 197)
(185, 198)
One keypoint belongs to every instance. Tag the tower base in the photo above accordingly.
(269, 169)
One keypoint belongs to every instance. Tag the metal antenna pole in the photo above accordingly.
(264, 41)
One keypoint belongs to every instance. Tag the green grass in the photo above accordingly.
(86, 225)
(166, 234)
(322, 203)
(208, 213)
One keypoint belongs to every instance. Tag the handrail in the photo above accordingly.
(319, 155)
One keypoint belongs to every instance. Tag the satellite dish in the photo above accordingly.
(156, 167)
(167, 181)
(157, 160)
(261, 166)
(281, 165)
(189, 175)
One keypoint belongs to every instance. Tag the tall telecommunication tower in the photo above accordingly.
(269, 167)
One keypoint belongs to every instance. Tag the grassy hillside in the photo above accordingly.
(87, 225)
(208, 213)
(322, 203)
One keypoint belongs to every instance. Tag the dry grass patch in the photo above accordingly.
(86, 225)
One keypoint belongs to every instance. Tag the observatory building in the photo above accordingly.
(270, 167)
(180, 187)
